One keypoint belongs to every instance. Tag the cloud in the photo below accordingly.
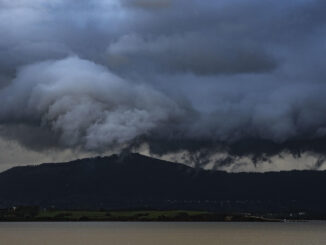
(199, 53)
(82, 104)
(246, 78)
(149, 4)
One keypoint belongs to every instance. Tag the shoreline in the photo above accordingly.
(34, 214)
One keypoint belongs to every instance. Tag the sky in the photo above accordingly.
(232, 85)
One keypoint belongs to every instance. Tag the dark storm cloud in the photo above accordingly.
(179, 75)
(201, 53)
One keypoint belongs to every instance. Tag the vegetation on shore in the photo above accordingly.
(36, 214)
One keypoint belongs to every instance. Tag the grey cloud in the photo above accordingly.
(201, 74)
(200, 53)
(149, 4)
(83, 104)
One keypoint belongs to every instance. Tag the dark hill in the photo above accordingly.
(136, 181)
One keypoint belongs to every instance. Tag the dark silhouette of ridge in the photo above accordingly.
(131, 181)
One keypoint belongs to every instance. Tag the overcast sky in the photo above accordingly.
(220, 84)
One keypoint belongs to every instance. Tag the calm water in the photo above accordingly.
(97, 233)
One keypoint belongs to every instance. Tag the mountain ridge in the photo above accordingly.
(132, 180)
